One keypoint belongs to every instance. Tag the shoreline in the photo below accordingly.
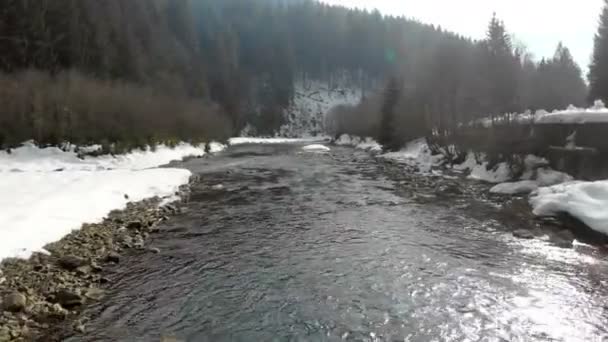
(42, 298)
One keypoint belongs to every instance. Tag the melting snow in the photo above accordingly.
(587, 201)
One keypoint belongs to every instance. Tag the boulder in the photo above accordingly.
(14, 302)
(113, 257)
(71, 263)
(68, 298)
(524, 234)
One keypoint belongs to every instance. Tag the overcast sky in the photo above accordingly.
(539, 24)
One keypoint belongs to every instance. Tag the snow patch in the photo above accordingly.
(587, 201)
(42, 207)
(316, 148)
(247, 140)
(479, 169)
(367, 144)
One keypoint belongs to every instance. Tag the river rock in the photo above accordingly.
(154, 250)
(94, 293)
(523, 234)
(68, 298)
(113, 257)
(71, 263)
(135, 225)
(14, 302)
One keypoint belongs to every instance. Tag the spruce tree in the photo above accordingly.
(387, 127)
(598, 70)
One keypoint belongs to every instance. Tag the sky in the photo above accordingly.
(539, 24)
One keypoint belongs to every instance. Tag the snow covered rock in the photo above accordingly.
(417, 154)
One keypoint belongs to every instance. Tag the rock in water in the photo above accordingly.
(113, 257)
(523, 234)
(14, 302)
(68, 299)
(71, 263)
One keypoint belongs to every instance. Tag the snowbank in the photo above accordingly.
(587, 201)
(46, 193)
(42, 207)
(479, 170)
(573, 115)
(316, 148)
(598, 113)
(534, 178)
(248, 140)
(30, 158)
(417, 154)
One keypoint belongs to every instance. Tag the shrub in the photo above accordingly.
(72, 107)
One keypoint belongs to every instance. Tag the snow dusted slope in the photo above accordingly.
(41, 205)
(312, 101)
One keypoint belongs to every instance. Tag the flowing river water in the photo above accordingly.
(298, 246)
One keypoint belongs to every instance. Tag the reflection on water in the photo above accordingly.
(321, 247)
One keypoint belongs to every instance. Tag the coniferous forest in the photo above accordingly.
(141, 71)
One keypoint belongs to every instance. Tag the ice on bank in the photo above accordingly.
(45, 193)
(366, 144)
(586, 201)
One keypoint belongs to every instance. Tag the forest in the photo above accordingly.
(137, 72)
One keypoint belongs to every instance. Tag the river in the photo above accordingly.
(277, 244)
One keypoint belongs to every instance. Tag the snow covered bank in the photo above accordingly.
(586, 201)
(42, 207)
(251, 140)
(478, 169)
(573, 115)
(598, 113)
(30, 158)
(46, 193)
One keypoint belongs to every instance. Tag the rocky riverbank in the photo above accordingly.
(42, 298)
(474, 198)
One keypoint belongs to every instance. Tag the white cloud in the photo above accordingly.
(539, 24)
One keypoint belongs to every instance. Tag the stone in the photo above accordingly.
(154, 250)
(71, 263)
(135, 225)
(58, 311)
(94, 293)
(68, 299)
(84, 270)
(14, 302)
(523, 234)
(113, 257)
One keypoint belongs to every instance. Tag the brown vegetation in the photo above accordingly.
(71, 107)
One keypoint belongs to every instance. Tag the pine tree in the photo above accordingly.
(598, 70)
(501, 68)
